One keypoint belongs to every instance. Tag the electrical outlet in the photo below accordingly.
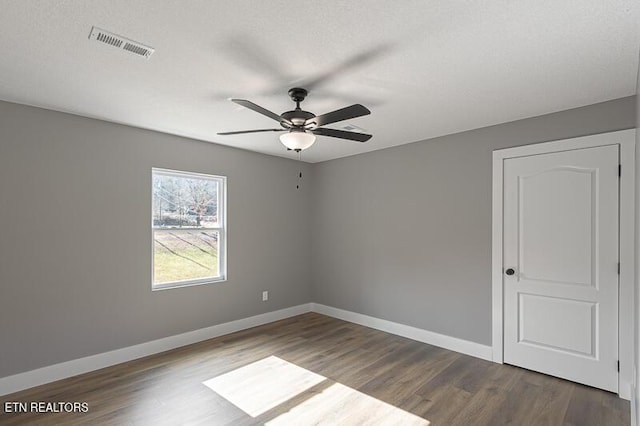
(265, 296)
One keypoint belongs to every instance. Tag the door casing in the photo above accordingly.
(626, 141)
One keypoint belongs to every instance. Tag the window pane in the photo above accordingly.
(185, 255)
(184, 201)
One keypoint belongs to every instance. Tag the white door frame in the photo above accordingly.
(626, 141)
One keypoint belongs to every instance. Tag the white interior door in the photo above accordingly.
(560, 259)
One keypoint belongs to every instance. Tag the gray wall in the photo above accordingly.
(404, 234)
(75, 245)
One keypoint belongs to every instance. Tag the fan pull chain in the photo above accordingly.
(300, 172)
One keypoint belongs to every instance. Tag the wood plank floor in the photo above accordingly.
(313, 369)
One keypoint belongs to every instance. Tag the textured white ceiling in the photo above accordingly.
(424, 68)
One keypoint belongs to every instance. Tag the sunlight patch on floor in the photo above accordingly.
(258, 387)
(263, 385)
(342, 405)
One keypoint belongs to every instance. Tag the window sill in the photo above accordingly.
(192, 283)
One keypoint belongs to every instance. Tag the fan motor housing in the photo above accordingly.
(297, 116)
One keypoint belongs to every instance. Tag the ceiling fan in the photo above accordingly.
(302, 126)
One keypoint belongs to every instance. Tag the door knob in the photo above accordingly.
(510, 271)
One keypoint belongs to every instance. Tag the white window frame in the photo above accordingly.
(221, 229)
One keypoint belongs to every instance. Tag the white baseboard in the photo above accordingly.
(74, 367)
(452, 343)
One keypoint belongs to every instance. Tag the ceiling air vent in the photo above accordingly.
(352, 128)
(120, 42)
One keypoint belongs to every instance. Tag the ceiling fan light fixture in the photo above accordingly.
(297, 140)
(303, 126)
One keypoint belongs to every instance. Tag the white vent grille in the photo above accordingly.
(123, 43)
(352, 128)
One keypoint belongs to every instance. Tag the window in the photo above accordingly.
(188, 229)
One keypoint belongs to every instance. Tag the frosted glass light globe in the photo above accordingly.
(297, 140)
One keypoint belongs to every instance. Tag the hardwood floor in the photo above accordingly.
(314, 369)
